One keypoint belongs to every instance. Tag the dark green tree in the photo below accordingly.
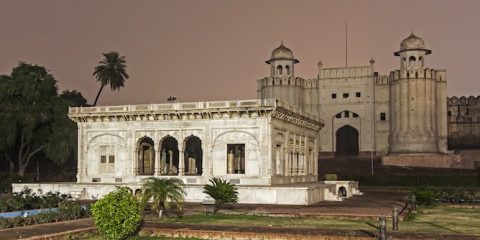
(33, 118)
(163, 193)
(111, 71)
(74, 98)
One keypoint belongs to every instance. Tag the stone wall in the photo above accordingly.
(463, 122)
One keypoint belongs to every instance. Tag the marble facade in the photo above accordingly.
(267, 148)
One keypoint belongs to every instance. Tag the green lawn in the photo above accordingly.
(440, 219)
(435, 220)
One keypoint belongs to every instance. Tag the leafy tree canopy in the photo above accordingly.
(33, 118)
(111, 71)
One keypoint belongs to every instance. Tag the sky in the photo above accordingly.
(206, 50)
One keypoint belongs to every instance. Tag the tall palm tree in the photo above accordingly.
(163, 193)
(112, 71)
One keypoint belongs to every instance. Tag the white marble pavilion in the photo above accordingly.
(267, 148)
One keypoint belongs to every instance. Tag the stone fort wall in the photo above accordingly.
(463, 122)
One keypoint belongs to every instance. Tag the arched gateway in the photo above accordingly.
(347, 141)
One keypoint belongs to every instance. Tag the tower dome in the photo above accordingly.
(413, 42)
(282, 53)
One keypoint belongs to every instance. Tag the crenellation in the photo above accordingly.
(329, 73)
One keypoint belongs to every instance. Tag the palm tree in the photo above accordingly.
(163, 192)
(112, 71)
(221, 191)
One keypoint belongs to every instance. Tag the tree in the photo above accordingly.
(221, 191)
(163, 192)
(33, 118)
(111, 71)
(74, 98)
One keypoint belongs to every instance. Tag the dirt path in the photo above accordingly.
(199, 230)
(45, 229)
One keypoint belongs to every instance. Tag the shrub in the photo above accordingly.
(3, 206)
(51, 200)
(70, 210)
(118, 214)
(330, 177)
(221, 191)
(425, 196)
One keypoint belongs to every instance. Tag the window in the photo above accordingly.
(347, 114)
(107, 159)
(236, 158)
(383, 116)
(345, 95)
(288, 69)
(334, 95)
(449, 113)
(339, 115)
(358, 94)
(411, 60)
(355, 115)
(279, 70)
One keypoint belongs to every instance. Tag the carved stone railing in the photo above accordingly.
(175, 106)
(196, 110)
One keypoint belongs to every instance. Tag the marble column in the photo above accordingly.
(157, 162)
(181, 163)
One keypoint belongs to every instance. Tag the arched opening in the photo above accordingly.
(347, 141)
(421, 61)
(138, 192)
(193, 156)
(146, 156)
(411, 60)
(342, 192)
(287, 68)
(169, 156)
(279, 70)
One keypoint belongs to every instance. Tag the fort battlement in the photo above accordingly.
(471, 100)
(284, 81)
(422, 73)
(381, 79)
(329, 73)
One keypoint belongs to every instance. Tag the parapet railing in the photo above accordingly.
(175, 106)
(185, 106)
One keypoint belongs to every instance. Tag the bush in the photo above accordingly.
(222, 191)
(330, 177)
(425, 196)
(3, 206)
(118, 214)
(67, 210)
(70, 210)
(51, 200)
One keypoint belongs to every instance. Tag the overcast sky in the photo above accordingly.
(216, 50)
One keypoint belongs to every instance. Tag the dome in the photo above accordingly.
(412, 42)
(282, 53)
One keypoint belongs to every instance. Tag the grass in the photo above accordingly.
(97, 236)
(442, 219)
